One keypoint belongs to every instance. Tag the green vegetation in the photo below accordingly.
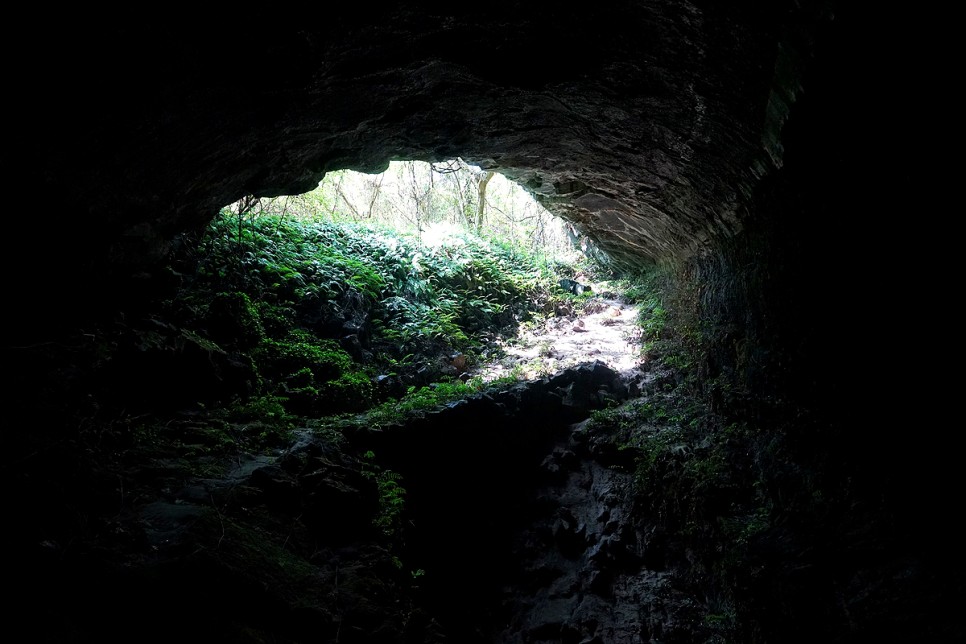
(416, 400)
(426, 200)
(318, 312)
(391, 495)
(298, 312)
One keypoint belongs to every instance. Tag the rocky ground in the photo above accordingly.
(520, 515)
(603, 327)
(188, 531)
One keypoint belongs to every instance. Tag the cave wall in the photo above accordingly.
(773, 156)
(770, 152)
(810, 309)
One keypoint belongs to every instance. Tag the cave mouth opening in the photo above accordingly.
(444, 268)
(378, 291)
(433, 202)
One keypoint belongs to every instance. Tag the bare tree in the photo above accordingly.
(340, 190)
(374, 187)
(458, 174)
(418, 197)
(412, 194)
(481, 203)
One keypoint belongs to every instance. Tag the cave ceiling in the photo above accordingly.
(646, 124)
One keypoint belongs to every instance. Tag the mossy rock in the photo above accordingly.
(280, 359)
(233, 319)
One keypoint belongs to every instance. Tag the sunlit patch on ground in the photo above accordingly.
(606, 330)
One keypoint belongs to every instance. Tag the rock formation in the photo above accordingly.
(770, 157)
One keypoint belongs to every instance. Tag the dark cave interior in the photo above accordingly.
(774, 158)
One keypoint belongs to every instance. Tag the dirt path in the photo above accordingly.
(605, 328)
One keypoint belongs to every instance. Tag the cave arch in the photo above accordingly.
(649, 136)
(721, 141)
(756, 151)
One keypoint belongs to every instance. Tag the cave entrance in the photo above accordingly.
(432, 201)
(442, 269)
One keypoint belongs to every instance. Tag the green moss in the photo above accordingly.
(202, 343)
(277, 318)
(255, 556)
(232, 315)
(352, 391)
(281, 359)
(392, 495)
(269, 411)
(740, 529)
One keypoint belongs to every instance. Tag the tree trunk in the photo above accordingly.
(376, 187)
(481, 204)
